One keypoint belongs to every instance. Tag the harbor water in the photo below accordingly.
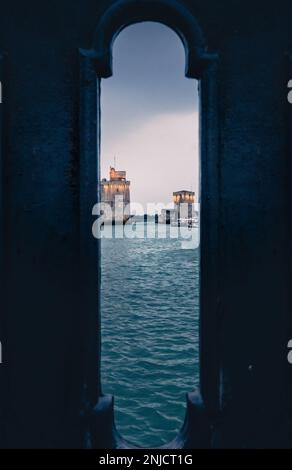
(150, 328)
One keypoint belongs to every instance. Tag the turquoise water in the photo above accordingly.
(150, 312)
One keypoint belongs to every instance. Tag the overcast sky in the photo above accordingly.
(150, 114)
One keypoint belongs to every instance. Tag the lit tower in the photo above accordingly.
(116, 193)
(184, 204)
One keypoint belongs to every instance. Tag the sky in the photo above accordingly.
(149, 114)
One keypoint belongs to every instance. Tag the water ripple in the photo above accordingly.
(150, 310)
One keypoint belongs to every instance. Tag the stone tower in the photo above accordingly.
(184, 203)
(116, 193)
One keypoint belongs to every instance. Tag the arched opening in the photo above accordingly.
(150, 272)
(95, 65)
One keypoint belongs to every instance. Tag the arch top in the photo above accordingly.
(171, 13)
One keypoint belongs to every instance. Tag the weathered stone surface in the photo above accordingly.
(43, 326)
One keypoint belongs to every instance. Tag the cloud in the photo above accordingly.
(160, 156)
(148, 79)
